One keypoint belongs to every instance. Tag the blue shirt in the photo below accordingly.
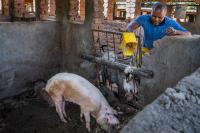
(154, 32)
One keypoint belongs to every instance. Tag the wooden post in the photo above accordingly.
(197, 1)
(110, 11)
(2, 5)
(37, 8)
(137, 8)
(198, 15)
(11, 10)
(169, 10)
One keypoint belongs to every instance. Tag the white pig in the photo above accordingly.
(73, 88)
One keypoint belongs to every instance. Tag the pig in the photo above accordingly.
(131, 83)
(74, 88)
(109, 55)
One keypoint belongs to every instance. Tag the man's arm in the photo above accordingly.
(132, 26)
(136, 23)
(176, 29)
(172, 32)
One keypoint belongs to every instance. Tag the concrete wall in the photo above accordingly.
(175, 111)
(171, 59)
(28, 51)
(76, 39)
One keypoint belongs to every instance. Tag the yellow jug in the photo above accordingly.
(128, 44)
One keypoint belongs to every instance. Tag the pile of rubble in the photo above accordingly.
(177, 110)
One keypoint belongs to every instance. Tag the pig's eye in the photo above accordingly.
(108, 114)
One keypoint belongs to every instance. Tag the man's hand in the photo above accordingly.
(171, 31)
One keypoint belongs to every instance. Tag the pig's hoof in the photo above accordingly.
(88, 129)
(68, 118)
(63, 120)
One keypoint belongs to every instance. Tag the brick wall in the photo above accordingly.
(100, 23)
(52, 8)
(137, 7)
(82, 10)
(44, 9)
(19, 8)
(103, 39)
(73, 10)
(5, 9)
(76, 10)
(110, 9)
(20, 11)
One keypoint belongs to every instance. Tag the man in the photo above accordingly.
(157, 25)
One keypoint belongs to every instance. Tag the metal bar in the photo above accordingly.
(99, 40)
(114, 44)
(107, 45)
(140, 52)
(120, 66)
(95, 49)
(110, 32)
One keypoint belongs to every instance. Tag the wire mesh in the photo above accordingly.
(107, 43)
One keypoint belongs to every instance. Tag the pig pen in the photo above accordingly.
(35, 57)
(30, 113)
(23, 67)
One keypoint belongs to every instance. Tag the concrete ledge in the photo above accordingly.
(172, 59)
(175, 111)
(30, 22)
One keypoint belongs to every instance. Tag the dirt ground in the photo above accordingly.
(30, 113)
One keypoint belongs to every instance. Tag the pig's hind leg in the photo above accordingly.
(87, 119)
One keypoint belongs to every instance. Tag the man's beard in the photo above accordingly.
(156, 23)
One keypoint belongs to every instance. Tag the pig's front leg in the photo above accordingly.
(87, 119)
(63, 109)
(59, 109)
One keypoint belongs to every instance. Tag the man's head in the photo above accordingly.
(159, 11)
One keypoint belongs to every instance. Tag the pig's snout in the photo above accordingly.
(108, 120)
(112, 123)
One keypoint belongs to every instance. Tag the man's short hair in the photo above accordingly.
(159, 6)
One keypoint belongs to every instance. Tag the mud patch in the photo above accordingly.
(29, 113)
